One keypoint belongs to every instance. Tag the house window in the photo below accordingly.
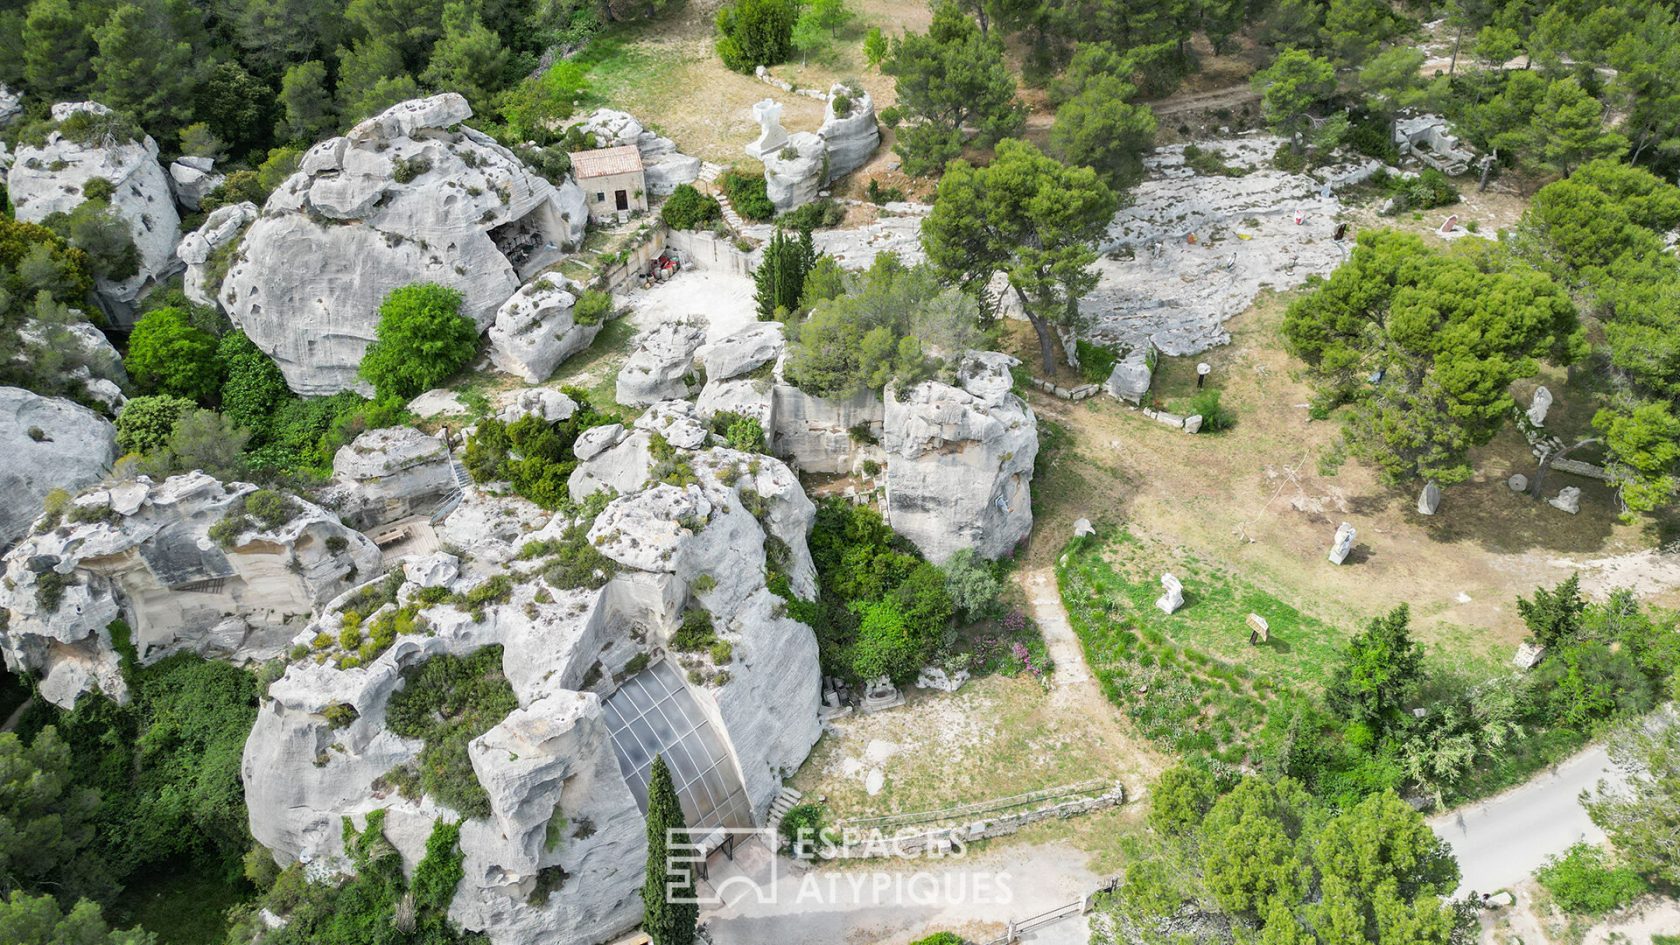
(600, 197)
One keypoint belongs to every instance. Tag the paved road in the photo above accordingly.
(1503, 839)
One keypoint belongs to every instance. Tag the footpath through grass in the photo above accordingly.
(1191, 680)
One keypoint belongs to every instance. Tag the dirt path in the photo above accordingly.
(1073, 687)
(1228, 97)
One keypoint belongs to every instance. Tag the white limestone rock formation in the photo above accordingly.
(1155, 284)
(677, 421)
(850, 139)
(561, 809)
(749, 349)
(83, 355)
(748, 396)
(793, 173)
(659, 367)
(824, 435)
(1132, 375)
(535, 330)
(193, 178)
(48, 444)
(410, 195)
(143, 551)
(53, 178)
(551, 405)
(222, 227)
(11, 105)
(960, 461)
(389, 474)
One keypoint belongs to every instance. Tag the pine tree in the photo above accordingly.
(665, 921)
(781, 276)
(1554, 616)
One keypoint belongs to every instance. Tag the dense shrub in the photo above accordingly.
(422, 339)
(1205, 403)
(1428, 190)
(1096, 362)
(741, 432)
(448, 701)
(167, 354)
(166, 765)
(689, 209)
(753, 33)
(824, 211)
(748, 196)
(592, 307)
(1583, 883)
(253, 389)
(972, 585)
(146, 422)
(532, 455)
(880, 608)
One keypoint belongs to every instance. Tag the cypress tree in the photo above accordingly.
(781, 275)
(666, 922)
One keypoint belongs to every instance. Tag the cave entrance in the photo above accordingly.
(655, 713)
(527, 243)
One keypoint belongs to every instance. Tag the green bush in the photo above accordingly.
(1215, 416)
(972, 585)
(695, 633)
(1096, 362)
(146, 422)
(824, 211)
(940, 938)
(167, 354)
(1428, 190)
(753, 33)
(740, 431)
(533, 456)
(1583, 883)
(421, 340)
(689, 209)
(802, 828)
(448, 701)
(593, 307)
(253, 388)
(879, 195)
(747, 194)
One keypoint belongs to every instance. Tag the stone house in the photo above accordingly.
(613, 181)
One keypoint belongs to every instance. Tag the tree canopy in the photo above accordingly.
(1423, 345)
(954, 88)
(421, 339)
(1029, 217)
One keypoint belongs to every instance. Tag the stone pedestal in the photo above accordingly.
(768, 113)
(880, 694)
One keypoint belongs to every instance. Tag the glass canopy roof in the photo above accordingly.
(654, 713)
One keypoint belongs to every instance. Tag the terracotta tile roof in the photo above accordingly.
(602, 162)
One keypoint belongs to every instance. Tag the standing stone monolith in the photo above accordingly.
(1429, 500)
(1343, 544)
(1539, 406)
(1173, 598)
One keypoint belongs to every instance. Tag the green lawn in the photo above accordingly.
(1190, 680)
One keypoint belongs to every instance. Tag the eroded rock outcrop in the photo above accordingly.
(659, 367)
(90, 144)
(388, 474)
(202, 282)
(960, 461)
(193, 178)
(535, 330)
(822, 434)
(410, 195)
(143, 551)
(850, 137)
(793, 173)
(561, 811)
(48, 444)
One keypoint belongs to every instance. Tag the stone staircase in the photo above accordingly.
(709, 174)
(784, 802)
